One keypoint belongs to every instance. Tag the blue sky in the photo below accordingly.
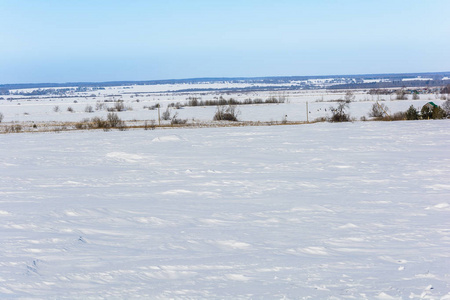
(98, 40)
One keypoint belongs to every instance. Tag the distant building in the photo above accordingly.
(430, 106)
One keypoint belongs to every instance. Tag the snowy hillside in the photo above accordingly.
(45, 111)
(322, 211)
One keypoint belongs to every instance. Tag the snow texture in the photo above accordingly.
(321, 211)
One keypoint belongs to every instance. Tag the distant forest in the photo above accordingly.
(352, 82)
(392, 84)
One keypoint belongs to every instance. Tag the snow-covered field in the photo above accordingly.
(321, 211)
(30, 110)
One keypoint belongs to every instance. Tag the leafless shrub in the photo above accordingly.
(401, 94)
(176, 121)
(98, 122)
(271, 99)
(13, 128)
(58, 129)
(177, 105)
(398, 116)
(320, 119)
(89, 109)
(339, 113)
(349, 97)
(56, 108)
(153, 107)
(193, 101)
(166, 115)
(445, 107)
(119, 106)
(114, 120)
(148, 126)
(81, 125)
(70, 109)
(100, 106)
(229, 113)
(1, 117)
(122, 127)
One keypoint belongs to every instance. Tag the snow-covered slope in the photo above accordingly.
(338, 211)
(294, 108)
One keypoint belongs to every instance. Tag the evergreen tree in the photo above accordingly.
(412, 113)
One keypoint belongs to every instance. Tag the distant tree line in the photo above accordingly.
(405, 91)
(358, 79)
(392, 84)
(45, 92)
(194, 101)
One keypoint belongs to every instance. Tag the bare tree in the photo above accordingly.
(445, 106)
(166, 114)
(378, 110)
(224, 113)
(401, 94)
(339, 113)
(349, 96)
(89, 109)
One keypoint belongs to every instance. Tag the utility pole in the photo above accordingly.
(159, 117)
(381, 107)
(307, 113)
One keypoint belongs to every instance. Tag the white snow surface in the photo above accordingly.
(37, 110)
(321, 211)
